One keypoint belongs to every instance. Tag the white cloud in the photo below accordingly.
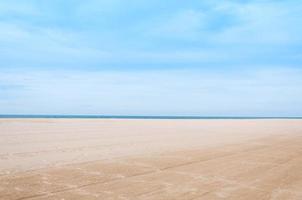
(32, 44)
(185, 24)
(189, 34)
(18, 8)
(253, 22)
(262, 22)
(267, 91)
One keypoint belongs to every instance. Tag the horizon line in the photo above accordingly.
(99, 116)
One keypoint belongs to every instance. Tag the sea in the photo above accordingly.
(139, 117)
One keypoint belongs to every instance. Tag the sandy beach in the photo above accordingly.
(150, 159)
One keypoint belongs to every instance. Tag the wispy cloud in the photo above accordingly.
(199, 92)
(8, 9)
(99, 33)
(214, 57)
(267, 22)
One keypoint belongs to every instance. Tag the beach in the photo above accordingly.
(151, 159)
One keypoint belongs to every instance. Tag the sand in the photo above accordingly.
(150, 159)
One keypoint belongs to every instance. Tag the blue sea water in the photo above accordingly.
(140, 117)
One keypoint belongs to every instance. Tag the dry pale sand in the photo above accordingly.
(150, 159)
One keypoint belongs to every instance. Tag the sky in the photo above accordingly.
(139, 57)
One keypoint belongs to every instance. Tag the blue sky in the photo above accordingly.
(157, 57)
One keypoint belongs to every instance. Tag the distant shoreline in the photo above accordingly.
(136, 117)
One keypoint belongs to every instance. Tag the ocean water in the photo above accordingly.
(140, 117)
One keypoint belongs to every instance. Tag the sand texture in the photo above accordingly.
(150, 159)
